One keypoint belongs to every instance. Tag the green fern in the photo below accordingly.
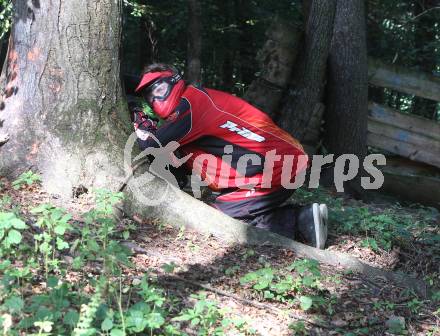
(84, 327)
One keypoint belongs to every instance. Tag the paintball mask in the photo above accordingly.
(162, 91)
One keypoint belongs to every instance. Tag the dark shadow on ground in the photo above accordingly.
(350, 306)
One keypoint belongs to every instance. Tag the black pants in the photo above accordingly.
(260, 209)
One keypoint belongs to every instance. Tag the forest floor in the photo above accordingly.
(263, 290)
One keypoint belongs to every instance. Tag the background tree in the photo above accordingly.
(276, 59)
(303, 103)
(347, 89)
(193, 63)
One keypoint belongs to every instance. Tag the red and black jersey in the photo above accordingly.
(207, 120)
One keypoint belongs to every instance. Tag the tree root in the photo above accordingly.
(180, 209)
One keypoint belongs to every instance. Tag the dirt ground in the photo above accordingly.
(356, 305)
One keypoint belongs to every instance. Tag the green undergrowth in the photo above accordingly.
(6, 7)
(300, 284)
(64, 277)
(380, 228)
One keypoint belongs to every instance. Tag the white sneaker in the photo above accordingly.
(324, 214)
(312, 224)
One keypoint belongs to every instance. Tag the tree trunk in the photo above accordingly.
(347, 89)
(346, 114)
(193, 67)
(276, 58)
(302, 110)
(63, 108)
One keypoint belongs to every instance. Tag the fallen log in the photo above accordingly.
(179, 209)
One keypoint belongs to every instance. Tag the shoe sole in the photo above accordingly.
(320, 214)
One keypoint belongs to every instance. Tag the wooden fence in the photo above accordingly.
(408, 136)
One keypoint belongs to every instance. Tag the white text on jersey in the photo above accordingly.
(244, 132)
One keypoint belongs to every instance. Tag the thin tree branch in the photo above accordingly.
(419, 15)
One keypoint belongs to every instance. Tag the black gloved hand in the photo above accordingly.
(142, 122)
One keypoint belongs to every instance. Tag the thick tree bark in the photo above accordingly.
(347, 89)
(346, 114)
(276, 58)
(193, 67)
(63, 108)
(302, 110)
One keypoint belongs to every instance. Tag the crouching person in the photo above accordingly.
(219, 134)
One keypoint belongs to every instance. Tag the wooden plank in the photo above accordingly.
(404, 136)
(412, 181)
(411, 123)
(403, 80)
(404, 149)
(401, 165)
(410, 136)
